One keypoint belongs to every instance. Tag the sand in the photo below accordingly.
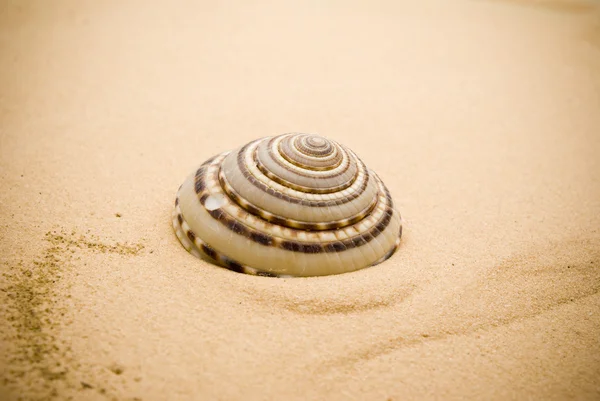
(482, 117)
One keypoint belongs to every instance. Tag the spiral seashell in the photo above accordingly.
(289, 205)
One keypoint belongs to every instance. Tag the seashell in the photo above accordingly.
(288, 205)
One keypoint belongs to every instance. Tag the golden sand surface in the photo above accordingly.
(482, 118)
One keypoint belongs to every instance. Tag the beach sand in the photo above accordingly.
(482, 118)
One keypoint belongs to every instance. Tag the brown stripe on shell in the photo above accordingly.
(233, 265)
(261, 238)
(191, 235)
(208, 251)
(282, 221)
(299, 201)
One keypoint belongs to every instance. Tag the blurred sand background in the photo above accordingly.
(482, 117)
